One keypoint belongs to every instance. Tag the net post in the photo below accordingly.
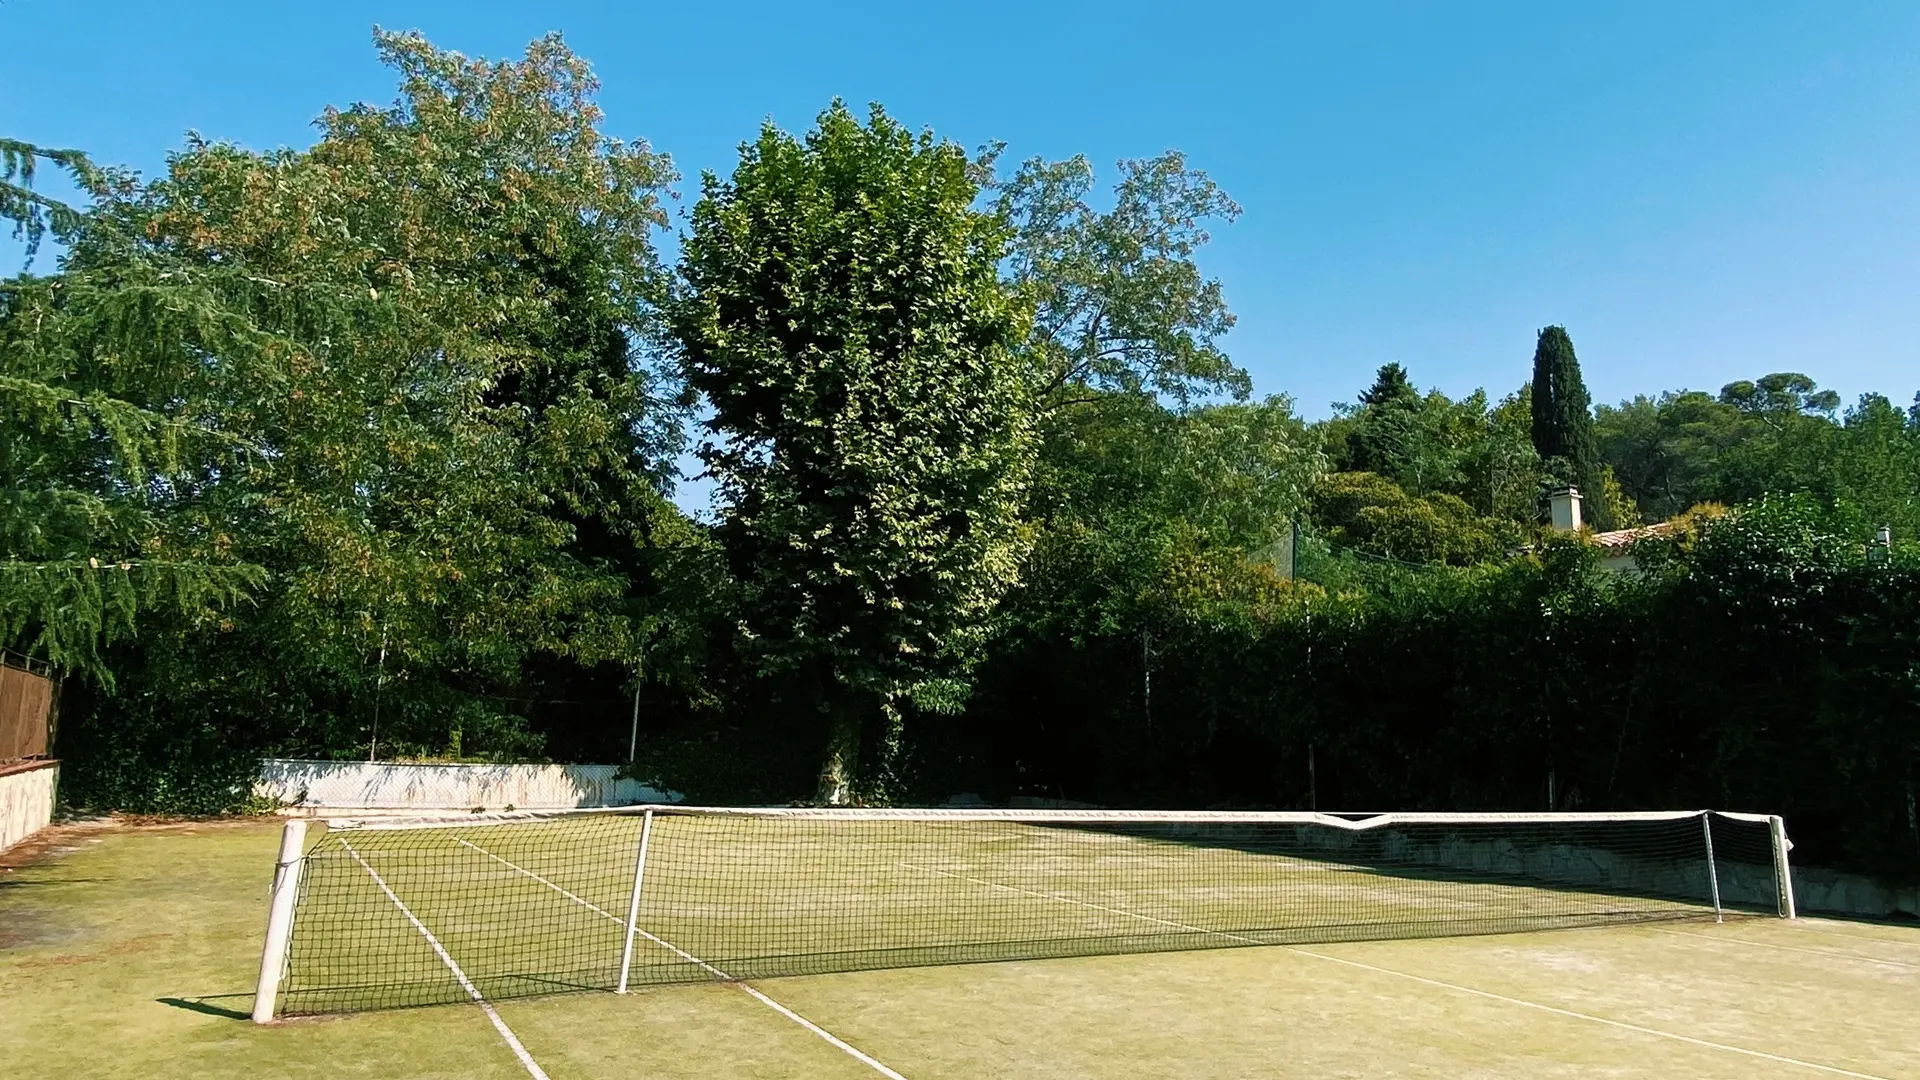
(1713, 871)
(633, 901)
(1782, 869)
(286, 888)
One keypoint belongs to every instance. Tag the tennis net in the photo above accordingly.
(379, 914)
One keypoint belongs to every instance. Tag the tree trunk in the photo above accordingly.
(842, 759)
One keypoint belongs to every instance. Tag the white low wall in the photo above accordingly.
(1820, 890)
(368, 785)
(26, 800)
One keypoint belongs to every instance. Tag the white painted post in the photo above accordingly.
(1713, 872)
(1782, 868)
(633, 902)
(286, 888)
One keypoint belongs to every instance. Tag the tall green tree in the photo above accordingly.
(1563, 420)
(845, 320)
(1120, 306)
(99, 455)
(427, 340)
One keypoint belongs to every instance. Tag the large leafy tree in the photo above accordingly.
(1147, 451)
(1121, 308)
(430, 333)
(1563, 419)
(845, 319)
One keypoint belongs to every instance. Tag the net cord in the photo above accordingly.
(1348, 822)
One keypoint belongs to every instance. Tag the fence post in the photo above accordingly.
(633, 902)
(286, 888)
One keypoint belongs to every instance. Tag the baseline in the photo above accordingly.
(1832, 953)
(513, 1041)
(1621, 1024)
(752, 991)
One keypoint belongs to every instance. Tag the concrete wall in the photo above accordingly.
(1819, 891)
(364, 785)
(26, 799)
(1743, 884)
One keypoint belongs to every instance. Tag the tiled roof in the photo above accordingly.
(1618, 541)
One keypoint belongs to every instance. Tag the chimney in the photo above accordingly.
(1565, 503)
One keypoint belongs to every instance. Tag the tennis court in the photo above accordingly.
(134, 953)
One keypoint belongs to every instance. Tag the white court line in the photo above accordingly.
(834, 1040)
(1838, 955)
(1431, 982)
(1816, 924)
(513, 1041)
(1833, 1069)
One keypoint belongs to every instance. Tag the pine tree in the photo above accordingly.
(1563, 421)
(1388, 416)
(1390, 386)
(95, 446)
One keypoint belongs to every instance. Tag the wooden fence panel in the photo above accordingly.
(26, 713)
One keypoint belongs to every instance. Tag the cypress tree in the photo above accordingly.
(1563, 421)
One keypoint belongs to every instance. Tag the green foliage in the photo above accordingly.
(1472, 449)
(1764, 661)
(1370, 513)
(1236, 474)
(1120, 307)
(844, 318)
(33, 214)
(421, 350)
(101, 458)
(1777, 434)
(1619, 506)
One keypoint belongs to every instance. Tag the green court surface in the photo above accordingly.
(131, 951)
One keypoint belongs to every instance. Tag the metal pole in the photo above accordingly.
(633, 902)
(1313, 781)
(633, 740)
(1782, 868)
(1713, 872)
(286, 888)
(379, 685)
(1146, 675)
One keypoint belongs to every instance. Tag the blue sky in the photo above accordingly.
(1699, 192)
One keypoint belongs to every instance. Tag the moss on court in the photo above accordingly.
(132, 953)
